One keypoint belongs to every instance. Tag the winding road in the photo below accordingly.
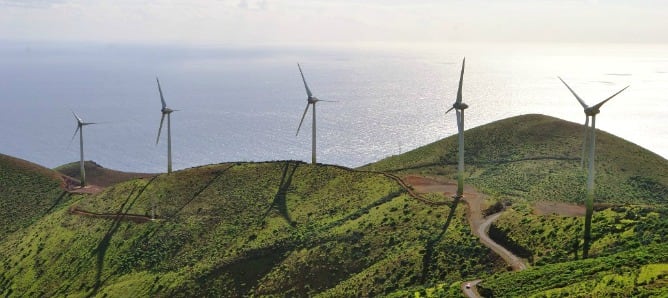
(479, 224)
(514, 261)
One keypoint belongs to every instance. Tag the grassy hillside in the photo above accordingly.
(640, 272)
(27, 191)
(550, 239)
(537, 157)
(98, 175)
(281, 228)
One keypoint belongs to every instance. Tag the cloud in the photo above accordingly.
(320, 21)
(30, 3)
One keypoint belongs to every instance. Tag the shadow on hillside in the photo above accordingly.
(56, 202)
(198, 192)
(245, 271)
(279, 201)
(431, 244)
(102, 247)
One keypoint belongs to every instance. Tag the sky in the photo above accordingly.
(250, 22)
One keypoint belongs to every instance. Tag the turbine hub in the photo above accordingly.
(313, 99)
(167, 110)
(460, 105)
(590, 111)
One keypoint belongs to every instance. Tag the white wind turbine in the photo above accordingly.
(80, 125)
(311, 100)
(165, 111)
(459, 108)
(590, 142)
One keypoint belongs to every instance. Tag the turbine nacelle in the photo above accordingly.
(592, 111)
(460, 106)
(80, 121)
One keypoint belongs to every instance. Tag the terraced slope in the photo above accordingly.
(280, 228)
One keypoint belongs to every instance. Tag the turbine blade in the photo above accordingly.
(75, 133)
(162, 98)
(450, 109)
(77, 117)
(461, 81)
(319, 100)
(162, 119)
(584, 105)
(308, 91)
(609, 98)
(302, 121)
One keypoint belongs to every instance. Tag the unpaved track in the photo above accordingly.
(514, 261)
(479, 224)
(471, 292)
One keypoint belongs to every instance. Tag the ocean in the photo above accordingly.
(244, 103)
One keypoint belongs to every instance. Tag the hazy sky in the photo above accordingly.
(333, 21)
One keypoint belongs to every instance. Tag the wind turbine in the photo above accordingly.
(165, 111)
(459, 108)
(589, 139)
(80, 125)
(311, 100)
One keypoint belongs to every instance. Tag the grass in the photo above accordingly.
(553, 238)
(263, 229)
(537, 157)
(98, 175)
(613, 275)
(27, 192)
(292, 229)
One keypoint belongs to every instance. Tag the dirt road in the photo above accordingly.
(469, 288)
(516, 262)
(479, 224)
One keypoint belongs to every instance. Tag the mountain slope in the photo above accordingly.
(537, 157)
(280, 228)
(641, 272)
(27, 191)
(98, 175)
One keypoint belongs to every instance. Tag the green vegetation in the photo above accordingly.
(639, 272)
(537, 157)
(98, 175)
(553, 238)
(293, 229)
(281, 228)
(27, 192)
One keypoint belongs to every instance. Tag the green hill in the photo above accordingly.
(292, 229)
(98, 175)
(640, 272)
(537, 157)
(533, 158)
(27, 192)
(276, 228)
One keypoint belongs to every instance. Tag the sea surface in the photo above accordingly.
(244, 103)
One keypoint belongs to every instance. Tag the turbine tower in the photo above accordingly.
(459, 108)
(80, 125)
(165, 111)
(589, 142)
(311, 100)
